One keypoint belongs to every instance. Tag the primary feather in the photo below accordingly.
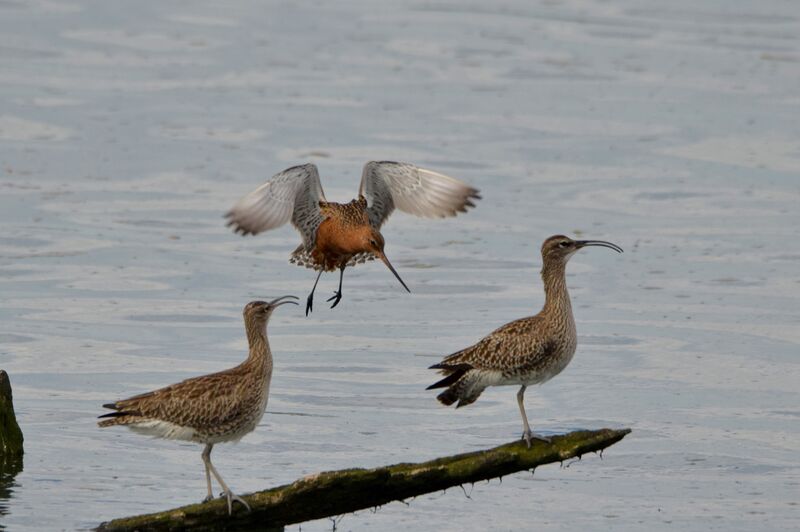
(388, 185)
(293, 194)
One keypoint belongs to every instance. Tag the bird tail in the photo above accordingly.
(302, 257)
(118, 417)
(461, 383)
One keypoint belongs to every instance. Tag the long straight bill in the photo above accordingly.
(391, 268)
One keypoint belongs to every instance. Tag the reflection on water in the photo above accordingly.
(10, 466)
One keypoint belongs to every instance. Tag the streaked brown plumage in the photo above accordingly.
(526, 351)
(337, 235)
(209, 409)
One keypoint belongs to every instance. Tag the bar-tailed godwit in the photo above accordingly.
(338, 235)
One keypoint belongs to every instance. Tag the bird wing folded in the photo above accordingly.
(198, 402)
(293, 194)
(514, 346)
(414, 190)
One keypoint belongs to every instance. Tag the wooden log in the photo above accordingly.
(10, 433)
(338, 492)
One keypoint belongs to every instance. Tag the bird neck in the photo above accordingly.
(259, 353)
(555, 288)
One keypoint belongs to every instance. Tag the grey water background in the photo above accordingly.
(671, 129)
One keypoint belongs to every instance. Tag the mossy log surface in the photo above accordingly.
(338, 492)
(10, 434)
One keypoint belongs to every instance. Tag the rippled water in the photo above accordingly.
(668, 128)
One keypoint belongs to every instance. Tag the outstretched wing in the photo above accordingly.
(293, 194)
(414, 190)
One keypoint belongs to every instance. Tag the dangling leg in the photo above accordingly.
(206, 459)
(338, 294)
(228, 493)
(527, 435)
(310, 300)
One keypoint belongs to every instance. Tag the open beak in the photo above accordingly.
(603, 243)
(388, 264)
(279, 301)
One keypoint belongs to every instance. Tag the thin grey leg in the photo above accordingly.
(207, 460)
(231, 496)
(527, 435)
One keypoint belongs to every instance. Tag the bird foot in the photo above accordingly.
(528, 436)
(337, 296)
(208, 498)
(310, 303)
(231, 496)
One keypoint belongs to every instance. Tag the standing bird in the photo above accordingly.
(526, 351)
(209, 409)
(338, 235)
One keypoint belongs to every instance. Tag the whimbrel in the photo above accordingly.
(526, 351)
(215, 408)
(339, 235)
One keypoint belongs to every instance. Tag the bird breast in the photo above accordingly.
(336, 243)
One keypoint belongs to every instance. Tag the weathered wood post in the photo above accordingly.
(10, 433)
(10, 439)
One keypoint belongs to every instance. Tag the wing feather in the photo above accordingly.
(293, 194)
(517, 343)
(209, 406)
(414, 190)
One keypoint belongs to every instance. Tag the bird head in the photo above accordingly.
(560, 248)
(260, 311)
(372, 240)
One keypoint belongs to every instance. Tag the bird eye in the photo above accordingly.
(563, 244)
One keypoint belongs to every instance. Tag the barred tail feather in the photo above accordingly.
(448, 397)
(453, 374)
(466, 391)
(302, 257)
(463, 385)
(118, 418)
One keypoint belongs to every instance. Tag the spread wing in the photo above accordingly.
(414, 190)
(293, 194)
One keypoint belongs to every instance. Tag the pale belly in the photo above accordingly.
(542, 372)
(232, 432)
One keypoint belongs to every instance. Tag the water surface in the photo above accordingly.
(669, 129)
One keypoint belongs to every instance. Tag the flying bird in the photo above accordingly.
(335, 235)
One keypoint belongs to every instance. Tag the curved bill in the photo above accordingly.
(388, 264)
(278, 301)
(602, 243)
